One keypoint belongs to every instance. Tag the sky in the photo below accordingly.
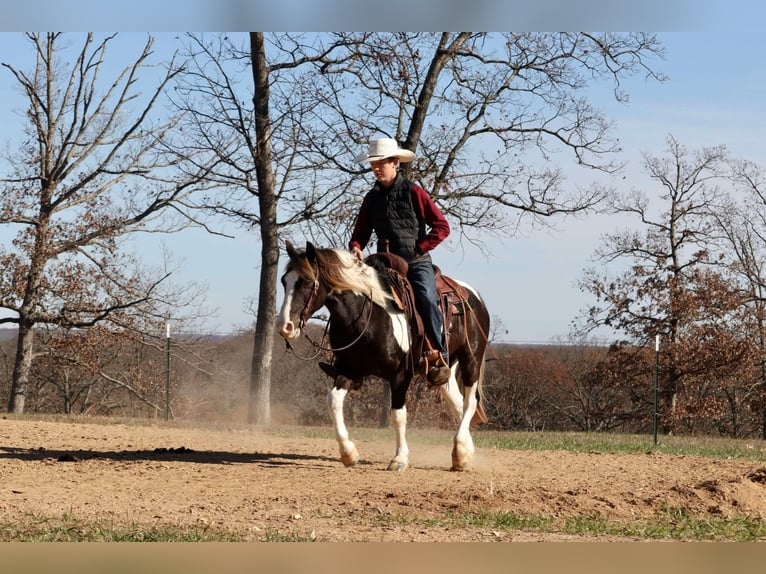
(715, 95)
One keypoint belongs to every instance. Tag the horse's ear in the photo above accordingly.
(291, 252)
(311, 252)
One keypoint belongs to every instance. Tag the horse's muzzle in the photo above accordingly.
(288, 330)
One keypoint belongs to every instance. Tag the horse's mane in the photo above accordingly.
(342, 271)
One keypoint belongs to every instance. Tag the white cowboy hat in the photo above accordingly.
(384, 148)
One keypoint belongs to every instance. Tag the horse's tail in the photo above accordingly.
(480, 416)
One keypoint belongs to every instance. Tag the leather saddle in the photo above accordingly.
(453, 297)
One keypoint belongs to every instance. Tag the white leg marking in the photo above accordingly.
(451, 392)
(463, 449)
(402, 459)
(348, 453)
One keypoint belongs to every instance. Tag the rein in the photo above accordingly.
(320, 346)
(304, 317)
(465, 304)
(352, 343)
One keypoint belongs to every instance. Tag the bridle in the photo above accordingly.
(306, 311)
(306, 315)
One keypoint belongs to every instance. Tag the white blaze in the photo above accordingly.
(283, 319)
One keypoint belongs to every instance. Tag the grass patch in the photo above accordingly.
(33, 528)
(709, 447)
(69, 529)
(674, 524)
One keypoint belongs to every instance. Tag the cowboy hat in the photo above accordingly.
(384, 148)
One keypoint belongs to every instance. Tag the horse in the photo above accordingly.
(369, 336)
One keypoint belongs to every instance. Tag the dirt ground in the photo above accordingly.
(256, 483)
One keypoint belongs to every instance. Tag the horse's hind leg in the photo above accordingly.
(348, 452)
(462, 409)
(464, 406)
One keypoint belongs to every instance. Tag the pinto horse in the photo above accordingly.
(369, 336)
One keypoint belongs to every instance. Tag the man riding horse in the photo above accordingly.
(400, 211)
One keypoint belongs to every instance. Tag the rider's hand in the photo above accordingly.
(357, 253)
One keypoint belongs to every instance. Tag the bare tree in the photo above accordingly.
(740, 219)
(488, 115)
(94, 167)
(95, 371)
(667, 285)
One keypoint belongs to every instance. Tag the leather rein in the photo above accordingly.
(306, 315)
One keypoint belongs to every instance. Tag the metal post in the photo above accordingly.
(167, 371)
(656, 382)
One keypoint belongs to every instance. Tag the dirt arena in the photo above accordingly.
(255, 483)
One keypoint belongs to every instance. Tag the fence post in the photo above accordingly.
(167, 371)
(656, 382)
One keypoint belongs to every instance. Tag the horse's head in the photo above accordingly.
(303, 292)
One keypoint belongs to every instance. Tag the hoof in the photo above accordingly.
(397, 465)
(350, 458)
(461, 459)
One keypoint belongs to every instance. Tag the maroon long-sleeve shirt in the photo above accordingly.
(424, 207)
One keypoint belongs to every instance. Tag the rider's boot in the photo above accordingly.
(439, 373)
(437, 364)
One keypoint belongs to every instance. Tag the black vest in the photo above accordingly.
(394, 219)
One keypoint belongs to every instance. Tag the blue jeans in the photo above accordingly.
(421, 277)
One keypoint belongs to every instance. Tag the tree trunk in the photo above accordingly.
(259, 411)
(21, 368)
(25, 340)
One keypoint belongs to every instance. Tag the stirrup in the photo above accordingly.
(430, 356)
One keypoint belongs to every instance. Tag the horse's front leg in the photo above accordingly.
(348, 452)
(401, 459)
(463, 448)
